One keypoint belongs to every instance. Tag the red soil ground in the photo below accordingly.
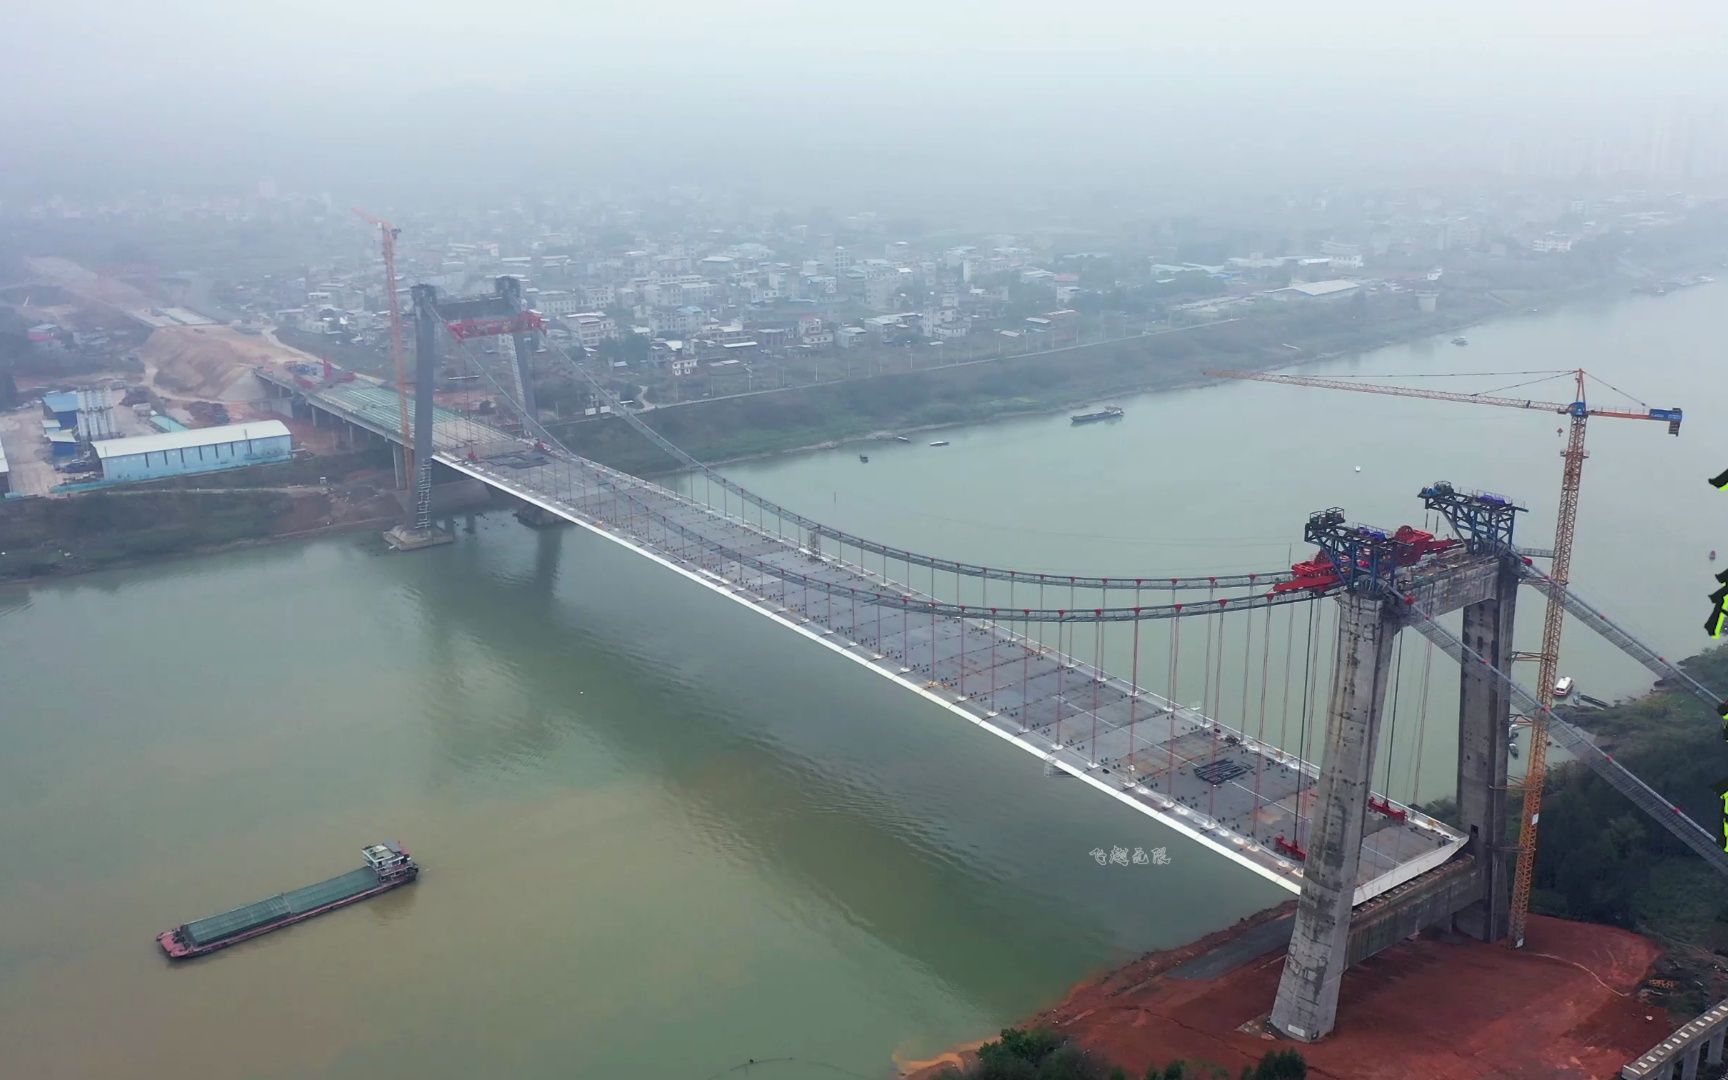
(1564, 1008)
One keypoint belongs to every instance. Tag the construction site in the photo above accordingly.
(1410, 949)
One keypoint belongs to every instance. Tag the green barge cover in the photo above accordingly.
(281, 906)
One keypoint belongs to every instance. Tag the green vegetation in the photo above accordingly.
(1601, 861)
(1041, 1054)
(52, 536)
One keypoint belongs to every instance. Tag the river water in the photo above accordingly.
(663, 836)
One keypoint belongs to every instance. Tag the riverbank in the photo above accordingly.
(1603, 861)
(1438, 1007)
(1626, 939)
(755, 427)
(52, 538)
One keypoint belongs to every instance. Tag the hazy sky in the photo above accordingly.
(817, 97)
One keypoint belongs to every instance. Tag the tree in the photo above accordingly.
(1281, 1065)
(1031, 1047)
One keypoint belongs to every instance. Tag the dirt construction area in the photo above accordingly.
(209, 363)
(1563, 1008)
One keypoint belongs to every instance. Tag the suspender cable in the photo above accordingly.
(1061, 662)
(1133, 694)
(1097, 671)
(1302, 742)
(962, 657)
(1173, 698)
(1025, 667)
(1421, 726)
(1260, 735)
(995, 636)
(1392, 723)
(1289, 679)
(1214, 688)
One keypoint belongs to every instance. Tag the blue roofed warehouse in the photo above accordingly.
(182, 453)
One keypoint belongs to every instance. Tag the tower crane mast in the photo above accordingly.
(1565, 526)
(387, 234)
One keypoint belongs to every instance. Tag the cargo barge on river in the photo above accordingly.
(1108, 412)
(388, 865)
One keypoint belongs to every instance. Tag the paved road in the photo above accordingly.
(1239, 950)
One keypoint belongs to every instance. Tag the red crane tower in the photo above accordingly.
(1565, 524)
(387, 234)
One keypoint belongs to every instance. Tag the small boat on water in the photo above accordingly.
(901, 438)
(1108, 412)
(1563, 687)
(865, 458)
(1460, 341)
(940, 442)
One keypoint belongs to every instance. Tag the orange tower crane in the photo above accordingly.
(387, 234)
(1565, 523)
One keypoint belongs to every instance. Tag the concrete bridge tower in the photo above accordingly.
(521, 372)
(416, 530)
(1484, 585)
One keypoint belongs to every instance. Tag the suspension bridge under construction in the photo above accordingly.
(1368, 870)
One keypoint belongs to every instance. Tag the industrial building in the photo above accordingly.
(61, 406)
(1336, 289)
(88, 414)
(182, 453)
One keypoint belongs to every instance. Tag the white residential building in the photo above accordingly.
(678, 320)
(556, 302)
(592, 327)
(879, 293)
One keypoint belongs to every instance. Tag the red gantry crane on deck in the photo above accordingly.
(1564, 525)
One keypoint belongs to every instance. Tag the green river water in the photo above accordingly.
(661, 834)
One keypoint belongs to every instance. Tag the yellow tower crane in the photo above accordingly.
(387, 234)
(1565, 523)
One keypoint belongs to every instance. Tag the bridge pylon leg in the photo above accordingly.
(1484, 714)
(522, 371)
(1307, 1003)
(417, 530)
